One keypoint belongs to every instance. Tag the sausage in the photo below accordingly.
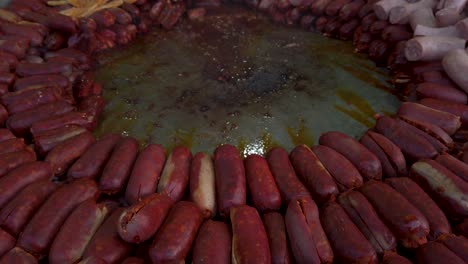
(455, 165)
(343, 171)
(25, 69)
(64, 154)
(140, 221)
(413, 145)
(334, 7)
(56, 80)
(117, 169)
(21, 122)
(7, 242)
(92, 260)
(262, 187)
(77, 56)
(48, 140)
(447, 189)
(69, 245)
(15, 45)
(288, 183)
(44, 225)
(363, 215)
(10, 161)
(387, 168)
(10, 59)
(438, 223)
(175, 175)
(17, 212)
(106, 243)
(435, 134)
(407, 223)
(133, 260)
(313, 174)
(11, 145)
(447, 121)
(249, 238)
(348, 243)
(202, 184)
(457, 244)
(30, 98)
(435, 252)
(442, 92)
(18, 255)
(307, 239)
(145, 174)
(55, 122)
(213, 244)
(229, 178)
(277, 238)
(458, 109)
(20, 177)
(121, 16)
(462, 228)
(5, 134)
(91, 163)
(364, 160)
(393, 258)
(175, 237)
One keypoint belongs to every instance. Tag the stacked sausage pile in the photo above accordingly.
(106, 201)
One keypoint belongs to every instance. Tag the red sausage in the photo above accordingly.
(118, 168)
(213, 244)
(41, 80)
(13, 160)
(262, 187)
(455, 165)
(55, 122)
(230, 179)
(457, 244)
(46, 141)
(364, 160)
(106, 243)
(277, 238)
(202, 184)
(63, 155)
(16, 213)
(5, 134)
(7, 242)
(435, 252)
(18, 255)
(76, 232)
(22, 176)
(288, 183)
(31, 98)
(313, 174)
(11, 145)
(91, 163)
(175, 175)
(145, 174)
(42, 228)
(174, 240)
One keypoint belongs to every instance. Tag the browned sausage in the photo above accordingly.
(230, 179)
(438, 223)
(175, 237)
(307, 239)
(262, 187)
(10, 161)
(343, 171)
(277, 238)
(92, 162)
(313, 174)
(18, 255)
(455, 165)
(106, 243)
(348, 243)
(145, 174)
(76, 232)
(175, 175)
(447, 189)
(406, 222)
(202, 184)
(213, 244)
(64, 154)
(22, 176)
(7, 242)
(117, 170)
(288, 183)
(435, 252)
(44, 225)
(249, 238)
(364, 160)
(140, 221)
(16, 213)
(361, 212)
